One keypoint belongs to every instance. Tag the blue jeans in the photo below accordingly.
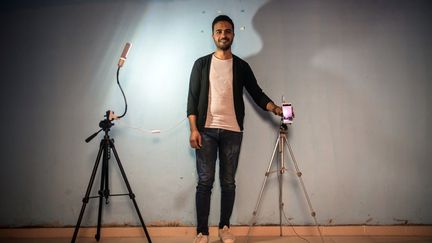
(227, 144)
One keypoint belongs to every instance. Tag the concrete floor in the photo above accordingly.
(272, 239)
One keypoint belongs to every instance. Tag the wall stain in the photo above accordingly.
(164, 223)
(401, 221)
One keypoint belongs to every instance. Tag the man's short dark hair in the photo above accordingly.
(222, 18)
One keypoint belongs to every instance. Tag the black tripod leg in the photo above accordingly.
(103, 189)
(131, 194)
(86, 197)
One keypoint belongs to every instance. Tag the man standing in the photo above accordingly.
(215, 111)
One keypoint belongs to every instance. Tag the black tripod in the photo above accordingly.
(106, 145)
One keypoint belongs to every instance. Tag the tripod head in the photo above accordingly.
(105, 125)
(283, 126)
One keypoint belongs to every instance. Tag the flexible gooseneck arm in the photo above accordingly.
(124, 96)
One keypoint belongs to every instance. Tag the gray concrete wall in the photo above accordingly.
(357, 72)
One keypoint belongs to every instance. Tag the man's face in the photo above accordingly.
(223, 35)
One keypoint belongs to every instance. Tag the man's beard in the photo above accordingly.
(224, 46)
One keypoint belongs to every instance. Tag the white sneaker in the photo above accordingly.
(225, 235)
(200, 238)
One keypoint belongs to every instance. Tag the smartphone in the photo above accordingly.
(287, 113)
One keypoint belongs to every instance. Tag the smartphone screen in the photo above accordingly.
(287, 111)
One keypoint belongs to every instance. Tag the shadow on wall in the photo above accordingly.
(11, 5)
(346, 60)
(357, 73)
(57, 62)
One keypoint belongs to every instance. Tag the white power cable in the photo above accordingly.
(152, 131)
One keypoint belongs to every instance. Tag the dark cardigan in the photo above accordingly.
(199, 89)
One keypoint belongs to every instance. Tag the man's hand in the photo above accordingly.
(195, 136)
(277, 110)
(195, 139)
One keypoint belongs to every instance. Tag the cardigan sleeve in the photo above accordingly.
(255, 91)
(194, 89)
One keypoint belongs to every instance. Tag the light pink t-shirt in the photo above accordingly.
(220, 111)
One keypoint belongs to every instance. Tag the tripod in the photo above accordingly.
(280, 148)
(105, 147)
